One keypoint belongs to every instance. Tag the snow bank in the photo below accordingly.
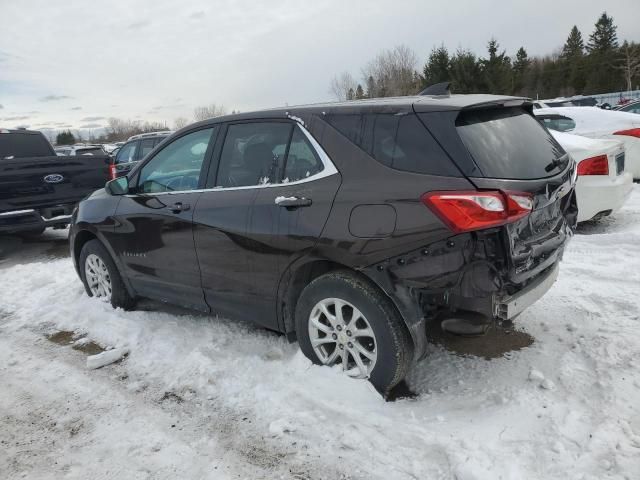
(567, 407)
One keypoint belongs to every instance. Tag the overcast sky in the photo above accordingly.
(76, 63)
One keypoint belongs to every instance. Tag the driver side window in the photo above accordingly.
(177, 166)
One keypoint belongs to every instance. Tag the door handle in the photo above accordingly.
(292, 202)
(179, 207)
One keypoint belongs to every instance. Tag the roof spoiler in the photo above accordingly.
(439, 89)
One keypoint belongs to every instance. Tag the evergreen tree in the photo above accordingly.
(359, 93)
(573, 58)
(574, 46)
(603, 57)
(351, 94)
(436, 69)
(65, 138)
(465, 73)
(520, 64)
(497, 69)
(604, 38)
(371, 88)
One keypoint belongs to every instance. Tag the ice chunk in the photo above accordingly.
(105, 358)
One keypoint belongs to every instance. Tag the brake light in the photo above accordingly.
(594, 166)
(112, 171)
(475, 210)
(632, 132)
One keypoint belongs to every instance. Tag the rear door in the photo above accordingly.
(289, 216)
(245, 235)
(154, 233)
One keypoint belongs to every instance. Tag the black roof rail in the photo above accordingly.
(440, 89)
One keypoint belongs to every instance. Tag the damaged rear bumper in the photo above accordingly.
(510, 306)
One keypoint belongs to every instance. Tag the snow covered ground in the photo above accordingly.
(200, 397)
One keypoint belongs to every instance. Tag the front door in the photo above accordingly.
(154, 224)
(232, 253)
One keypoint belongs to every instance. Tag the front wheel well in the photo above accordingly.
(81, 239)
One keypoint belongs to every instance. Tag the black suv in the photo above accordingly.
(136, 148)
(347, 226)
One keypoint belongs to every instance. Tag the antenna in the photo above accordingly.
(439, 89)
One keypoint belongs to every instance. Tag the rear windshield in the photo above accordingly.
(90, 151)
(509, 143)
(399, 141)
(19, 145)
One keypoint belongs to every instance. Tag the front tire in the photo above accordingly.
(341, 319)
(101, 277)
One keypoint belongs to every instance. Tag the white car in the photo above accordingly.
(603, 184)
(594, 122)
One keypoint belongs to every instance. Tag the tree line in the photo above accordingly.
(599, 65)
(118, 129)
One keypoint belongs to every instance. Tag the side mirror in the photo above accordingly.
(118, 186)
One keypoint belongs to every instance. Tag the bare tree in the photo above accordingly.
(119, 129)
(180, 122)
(391, 73)
(343, 87)
(630, 64)
(206, 112)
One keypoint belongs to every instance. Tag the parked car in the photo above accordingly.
(134, 150)
(594, 122)
(603, 185)
(80, 149)
(38, 188)
(629, 107)
(347, 226)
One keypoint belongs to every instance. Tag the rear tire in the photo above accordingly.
(101, 277)
(341, 314)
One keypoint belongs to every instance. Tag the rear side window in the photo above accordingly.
(252, 153)
(146, 145)
(20, 145)
(302, 160)
(399, 141)
(509, 143)
(558, 123)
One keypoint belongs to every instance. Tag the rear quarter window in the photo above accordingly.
(20, 145)
(558, 123)
(509, 143)
(399, 141)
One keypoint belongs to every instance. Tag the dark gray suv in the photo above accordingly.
(346, 226)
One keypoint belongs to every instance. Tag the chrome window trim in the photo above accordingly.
(16, 212)
(328, 170)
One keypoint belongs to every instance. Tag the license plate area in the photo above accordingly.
(620, 163)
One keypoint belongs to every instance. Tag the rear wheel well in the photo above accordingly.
(300, 278)
(305, 275)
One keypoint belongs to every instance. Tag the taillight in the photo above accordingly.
(594, 166)
(632, 132)
(475, 210)
(112, 171)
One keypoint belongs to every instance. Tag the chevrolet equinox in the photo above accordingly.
(346, 226)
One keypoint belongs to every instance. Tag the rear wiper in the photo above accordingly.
(557, 163)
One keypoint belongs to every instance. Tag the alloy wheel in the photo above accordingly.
(340, 334)
(98, 278)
